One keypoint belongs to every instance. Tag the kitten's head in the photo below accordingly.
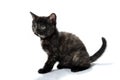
(43, 26)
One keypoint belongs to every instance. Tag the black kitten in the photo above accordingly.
(63, 47)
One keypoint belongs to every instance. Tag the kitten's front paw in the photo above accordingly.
(42, 71)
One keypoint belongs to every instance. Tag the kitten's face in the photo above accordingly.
(43, 26)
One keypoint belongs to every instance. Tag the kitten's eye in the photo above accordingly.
(43, 27)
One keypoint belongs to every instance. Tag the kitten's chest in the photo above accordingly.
(48, 47)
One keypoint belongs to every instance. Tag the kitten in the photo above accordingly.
(63, 47)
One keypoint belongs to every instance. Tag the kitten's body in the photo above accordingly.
(63, 47)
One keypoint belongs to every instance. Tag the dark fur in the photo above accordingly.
(63, 47)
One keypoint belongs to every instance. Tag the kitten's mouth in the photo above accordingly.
(41, 36)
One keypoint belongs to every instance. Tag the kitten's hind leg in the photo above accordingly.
(80, 61)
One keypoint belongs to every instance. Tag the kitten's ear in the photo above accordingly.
(34, 16)
(52, 18)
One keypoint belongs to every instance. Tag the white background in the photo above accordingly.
(20, 50)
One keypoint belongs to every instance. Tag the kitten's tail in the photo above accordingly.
(100, 51)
